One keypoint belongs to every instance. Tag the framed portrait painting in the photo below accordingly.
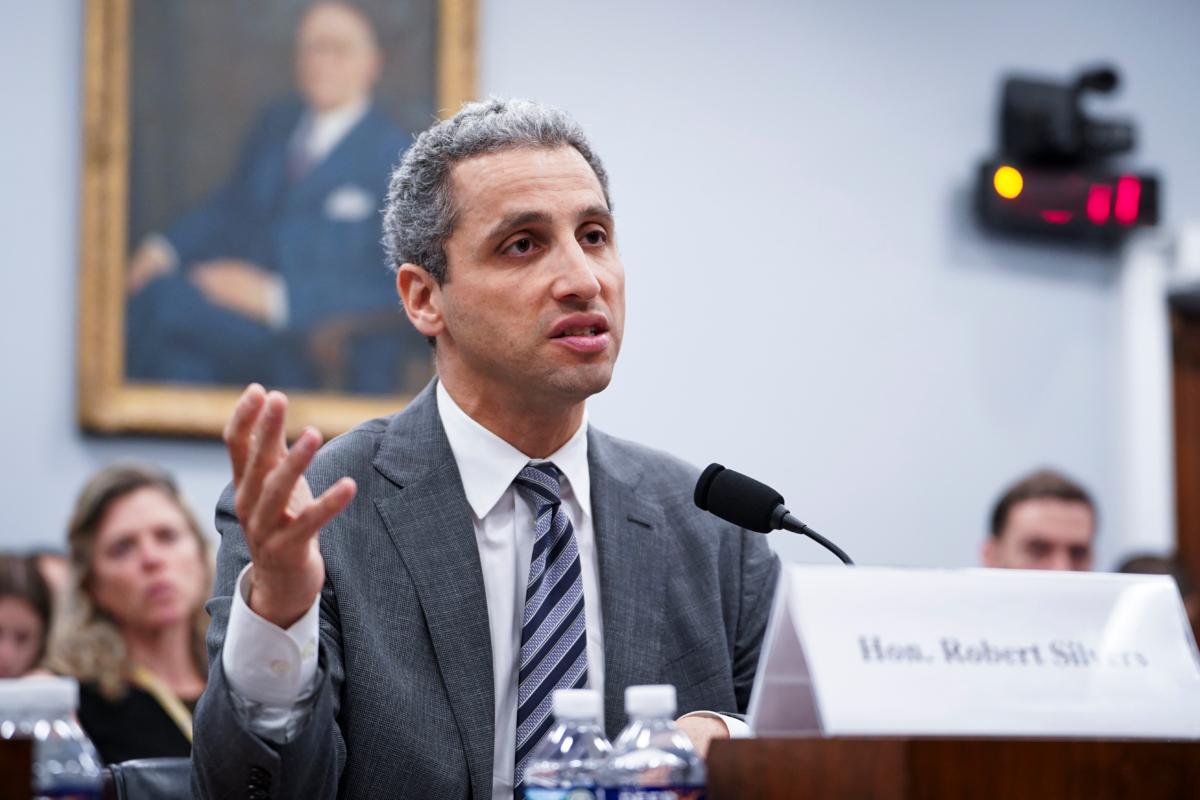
(237, 156)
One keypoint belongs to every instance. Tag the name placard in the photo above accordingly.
(884, 652)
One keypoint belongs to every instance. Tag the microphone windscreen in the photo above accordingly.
(702, 485)
(738, 498)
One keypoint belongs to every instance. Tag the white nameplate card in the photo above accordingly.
(864, 651)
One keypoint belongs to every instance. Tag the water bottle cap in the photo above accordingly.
(50, 694)
(577, 704)
(650, 701)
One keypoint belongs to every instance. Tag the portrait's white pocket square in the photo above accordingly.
(349, 203)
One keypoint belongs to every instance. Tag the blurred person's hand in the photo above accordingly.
(152, 259)
(276, 508)
(239, 286)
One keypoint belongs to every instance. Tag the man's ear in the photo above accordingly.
(990, 555)
(422, 299)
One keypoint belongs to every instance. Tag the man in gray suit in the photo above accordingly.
(485, 546)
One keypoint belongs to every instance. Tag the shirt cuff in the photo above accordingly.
(277, 303)
(164, 244)
(736, 727)
(264, 663)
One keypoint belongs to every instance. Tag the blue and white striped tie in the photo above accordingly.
(553, 632)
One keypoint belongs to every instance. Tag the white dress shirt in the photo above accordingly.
(322, 131)
(271, 671)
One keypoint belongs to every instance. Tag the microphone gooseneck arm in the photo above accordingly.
(781, 518)
(752, 505)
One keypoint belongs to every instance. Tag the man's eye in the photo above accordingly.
(595, 237)
(520, 247)
(1038, 549)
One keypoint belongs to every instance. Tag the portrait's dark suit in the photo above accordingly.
(318, 227)
(405, 706)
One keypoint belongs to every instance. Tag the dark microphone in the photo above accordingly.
(745, 502)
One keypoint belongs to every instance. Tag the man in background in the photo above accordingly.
(1043, 521)
(286, 255)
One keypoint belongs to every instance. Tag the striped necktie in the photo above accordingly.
(553, 632)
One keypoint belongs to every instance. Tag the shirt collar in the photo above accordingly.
(488, 464)
(324, 130)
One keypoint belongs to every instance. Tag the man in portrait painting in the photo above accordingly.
(279, 275)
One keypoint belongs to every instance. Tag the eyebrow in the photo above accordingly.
(597, 211)
(522, 218)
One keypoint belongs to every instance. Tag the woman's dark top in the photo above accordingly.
(133, 727)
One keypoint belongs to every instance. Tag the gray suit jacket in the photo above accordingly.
(405, 702)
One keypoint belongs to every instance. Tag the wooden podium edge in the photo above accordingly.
(935, 768)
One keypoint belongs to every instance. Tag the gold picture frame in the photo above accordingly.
(109, 403)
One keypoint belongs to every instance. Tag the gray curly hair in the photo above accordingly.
(420, 215)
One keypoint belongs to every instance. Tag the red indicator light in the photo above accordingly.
(1129, 196)
(1057, 217)
(1099, 203)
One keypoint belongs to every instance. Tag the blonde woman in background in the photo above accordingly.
(133, 628)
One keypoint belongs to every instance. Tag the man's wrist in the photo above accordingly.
(736, 728)
(283, 609)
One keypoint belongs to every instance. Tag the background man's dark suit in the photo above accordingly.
(405, 706)
(320, 231)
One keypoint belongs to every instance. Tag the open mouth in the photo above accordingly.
(589, 331)
(580, 326)
(582, 333)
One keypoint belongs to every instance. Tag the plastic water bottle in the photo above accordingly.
(566, 764)
(65, 764)
(652, 759)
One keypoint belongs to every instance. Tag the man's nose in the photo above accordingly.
(576, 277)
(1060, 561)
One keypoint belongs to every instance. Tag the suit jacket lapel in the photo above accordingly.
(632, 553)
(335, 166)
(267, 179)
(429, 521)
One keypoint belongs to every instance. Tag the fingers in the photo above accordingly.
(331, 503)
(281, 481)
(239, 427)
(267, 449)
(273, 501)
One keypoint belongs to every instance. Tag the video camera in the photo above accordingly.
(1044, 123)
(1050, 176)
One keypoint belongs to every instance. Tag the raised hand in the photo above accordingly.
(276, 508)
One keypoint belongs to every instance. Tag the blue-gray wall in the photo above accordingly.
(809, 300)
